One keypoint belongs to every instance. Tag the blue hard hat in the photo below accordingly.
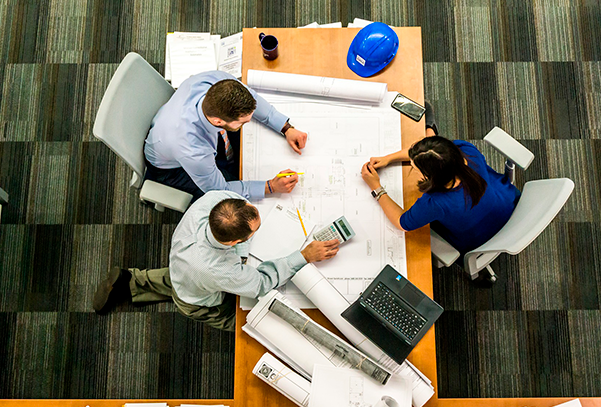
(372, 49)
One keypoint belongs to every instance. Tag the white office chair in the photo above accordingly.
(3, 199)
(133, 97)
(540, 202)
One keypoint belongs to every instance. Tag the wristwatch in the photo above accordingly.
(377, 193)
(286, 127)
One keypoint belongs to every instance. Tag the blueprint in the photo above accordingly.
(340, 140)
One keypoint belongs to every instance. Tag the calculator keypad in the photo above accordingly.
(328, 233)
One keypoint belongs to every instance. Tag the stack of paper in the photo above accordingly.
(359, 22)
(188, 54)
(316, 25)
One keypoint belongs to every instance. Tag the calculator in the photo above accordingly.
(340, 229)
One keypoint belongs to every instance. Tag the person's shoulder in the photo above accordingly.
(464, 144)
(468, 149)
(217, 196)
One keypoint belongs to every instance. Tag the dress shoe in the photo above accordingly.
(112, 290)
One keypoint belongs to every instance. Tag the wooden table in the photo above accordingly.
(322, 52)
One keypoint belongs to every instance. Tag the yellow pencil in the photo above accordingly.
(301, 221)
(287, 174)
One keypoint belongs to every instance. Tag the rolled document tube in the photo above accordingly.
(336, 88)
(284, 380)
(310, 328)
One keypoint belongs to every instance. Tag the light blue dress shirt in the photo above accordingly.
(181, 136)
(202, 270)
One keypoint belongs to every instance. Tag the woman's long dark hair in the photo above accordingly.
(441, 162)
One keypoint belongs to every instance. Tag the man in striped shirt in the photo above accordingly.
(206, 267)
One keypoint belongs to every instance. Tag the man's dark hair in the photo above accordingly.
(230, 220)
(228, 100)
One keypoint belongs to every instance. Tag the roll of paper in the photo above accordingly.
(345, 89)
(317, 333)
(284, 380)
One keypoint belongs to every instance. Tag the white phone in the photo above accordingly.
(408, 107)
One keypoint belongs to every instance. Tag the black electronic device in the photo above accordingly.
(408, 107)
(393, 313)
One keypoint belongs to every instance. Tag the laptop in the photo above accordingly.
(393, 313)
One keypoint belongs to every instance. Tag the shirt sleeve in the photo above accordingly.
(268, 115)
(256, 282)
(423, 212)
(206, 175)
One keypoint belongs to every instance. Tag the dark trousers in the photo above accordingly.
(178, 178)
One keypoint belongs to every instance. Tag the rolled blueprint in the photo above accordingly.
(346, 89)
(317, 333)
(284, 380)
(331, 303)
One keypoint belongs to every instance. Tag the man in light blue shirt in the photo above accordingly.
(194, 140)
(206, 264)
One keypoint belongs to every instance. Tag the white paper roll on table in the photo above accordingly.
(347, 89)
(284, 380)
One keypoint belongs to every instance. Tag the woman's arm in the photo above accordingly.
(391, 209)
(402, 155)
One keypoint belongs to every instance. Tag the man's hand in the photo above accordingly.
(318, 251)
(296, 138)
(379, 162)
(370, 176)
(283, 184)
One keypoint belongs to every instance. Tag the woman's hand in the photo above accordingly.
(370, 176)
(379, 162)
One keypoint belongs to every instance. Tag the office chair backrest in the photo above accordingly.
(134, 95)
(540, 202)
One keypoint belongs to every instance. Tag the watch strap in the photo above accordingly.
(286, 127)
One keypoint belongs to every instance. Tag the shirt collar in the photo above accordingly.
(212, 241)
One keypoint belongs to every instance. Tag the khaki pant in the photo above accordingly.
(154, 285)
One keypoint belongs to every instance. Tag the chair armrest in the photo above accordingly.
(509, 147)
(3, 197)
(166, 196)
(442, 250)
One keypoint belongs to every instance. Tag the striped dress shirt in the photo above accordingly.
(202, 270)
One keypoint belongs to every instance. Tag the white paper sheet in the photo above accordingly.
(280, 234)
(230, 55)
(571, 403)
(340, 141)
(333, 386)
(189, 54)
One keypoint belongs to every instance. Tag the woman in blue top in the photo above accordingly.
(464, 200)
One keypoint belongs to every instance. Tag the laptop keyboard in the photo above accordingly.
(390, 307)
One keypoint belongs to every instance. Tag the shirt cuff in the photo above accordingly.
(256, 189)
(278, 120)
(296, 261)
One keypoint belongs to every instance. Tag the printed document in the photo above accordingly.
(340, 140)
